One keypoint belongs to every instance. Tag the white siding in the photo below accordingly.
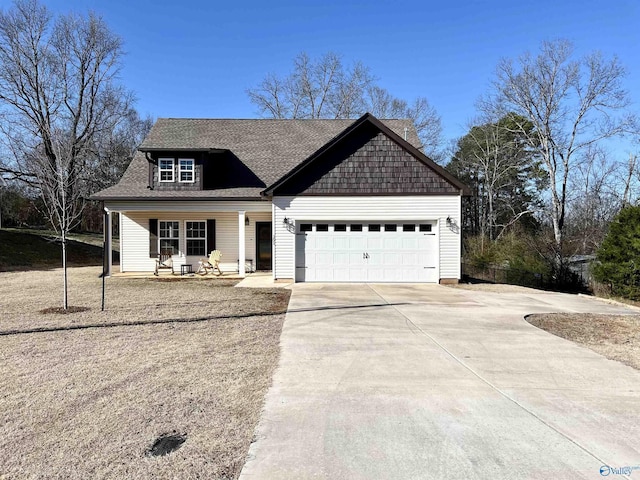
(312, 208)
(134, 244)
(134, 256)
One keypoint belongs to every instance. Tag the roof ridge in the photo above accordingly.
(280, 119)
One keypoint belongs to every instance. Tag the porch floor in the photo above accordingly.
(261, 279)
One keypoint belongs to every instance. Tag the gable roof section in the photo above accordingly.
(367, 158)
(268, 147)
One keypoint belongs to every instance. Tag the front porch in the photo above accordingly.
(244, 237)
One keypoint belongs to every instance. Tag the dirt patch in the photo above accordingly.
(165, 444)
(616, 337)
(91, 402)
(62, 311)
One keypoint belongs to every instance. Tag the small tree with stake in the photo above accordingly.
(57, 97)
(58, 186)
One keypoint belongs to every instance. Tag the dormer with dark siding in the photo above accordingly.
(214, 170)
(194, 183)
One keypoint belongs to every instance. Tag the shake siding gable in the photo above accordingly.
(367, 162)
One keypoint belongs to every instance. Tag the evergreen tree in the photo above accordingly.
(619, 255)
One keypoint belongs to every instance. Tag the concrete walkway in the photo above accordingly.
(261, 280)
(425, 381)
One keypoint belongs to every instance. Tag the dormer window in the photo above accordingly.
(166, 167)
(186, 169)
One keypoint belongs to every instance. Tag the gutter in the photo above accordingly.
(151, 162)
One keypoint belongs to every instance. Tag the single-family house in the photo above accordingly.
(309, 200)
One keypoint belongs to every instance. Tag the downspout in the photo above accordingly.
(151, 162)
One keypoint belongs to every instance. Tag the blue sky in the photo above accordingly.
(197, 58)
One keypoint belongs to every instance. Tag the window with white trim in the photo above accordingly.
(196, 238)
(169, 236)
(186, 170)
(166, 169)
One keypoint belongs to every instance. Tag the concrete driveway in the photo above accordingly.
(424, 381)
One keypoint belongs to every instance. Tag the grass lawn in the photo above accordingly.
(24, 249)
(89, 403)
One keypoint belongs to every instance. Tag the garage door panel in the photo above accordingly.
(358, 243)
(324, 259)
(340, 243)
(391, 258)
(410, 259)
(366, 256)
(358, 273)
(410, 242)
(426, 260)
(341, 259)
(392, 243)
(374, 243)
(323, 242)
(341, 274)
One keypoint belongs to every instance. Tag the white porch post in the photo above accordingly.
(108, 228)
(241, 246)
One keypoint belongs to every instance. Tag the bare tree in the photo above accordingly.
(326, 88)
(424, 116)
(111, 152)
(502, 170)
(573, 105)
(630, 178)
(322, 89)
(596, 197)
(58, 94)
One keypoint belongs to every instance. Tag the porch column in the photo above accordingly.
(108, 228)
(241, 247)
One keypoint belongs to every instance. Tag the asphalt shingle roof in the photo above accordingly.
(269, 147)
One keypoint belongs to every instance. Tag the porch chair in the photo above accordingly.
(210, 264)
(164, 261)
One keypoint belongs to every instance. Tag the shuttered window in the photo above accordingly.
(196, 238)
(169, 237)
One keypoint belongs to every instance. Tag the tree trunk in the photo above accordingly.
(65, 302)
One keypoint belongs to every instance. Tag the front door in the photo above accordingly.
(263, 245)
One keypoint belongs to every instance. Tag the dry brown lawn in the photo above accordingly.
(616, 337)
(90, 402)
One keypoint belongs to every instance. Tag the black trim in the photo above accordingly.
(211, 236)
(159, 150)
(383, 194)
(179, 199)
(153, 238)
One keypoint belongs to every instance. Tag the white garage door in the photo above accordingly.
(366, 252)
